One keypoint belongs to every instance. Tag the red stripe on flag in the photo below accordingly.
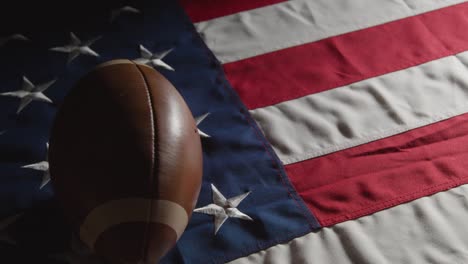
(365, 179)
(201, 10)
(310, 68)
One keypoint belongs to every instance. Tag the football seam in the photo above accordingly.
(154, 159)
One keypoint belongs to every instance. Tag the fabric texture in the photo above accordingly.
(333, 131)
(423, 231)
(367, 110)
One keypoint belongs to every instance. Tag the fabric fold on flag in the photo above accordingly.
(427, 230)
(318, 66)
(372, 109)
(292, 23)
(334, 131)
(363, 180)
(360, 108)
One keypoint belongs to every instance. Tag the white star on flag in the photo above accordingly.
(126, 9)
(77, 47)
(4, 40)
(41, 166)
(4, 224)
(153, 59)
(30, 92)
(223, 208)
(198, 120)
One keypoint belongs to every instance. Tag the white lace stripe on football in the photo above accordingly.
(130, 210)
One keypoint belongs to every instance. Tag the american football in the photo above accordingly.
(126, 162)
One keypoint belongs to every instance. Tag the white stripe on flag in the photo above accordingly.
(428, 230)
(262, 30)
(365, 111)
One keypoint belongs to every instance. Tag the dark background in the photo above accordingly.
(21, 16)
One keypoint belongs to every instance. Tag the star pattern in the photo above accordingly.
(30, 92)
(77, 47)
(153, 59)
(4, 40)
(41, 166)
(223, 208)
(198, 120)
(126, 9)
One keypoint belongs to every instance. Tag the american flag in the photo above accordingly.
(333, 130)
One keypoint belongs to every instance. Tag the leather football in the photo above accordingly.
(126, 162)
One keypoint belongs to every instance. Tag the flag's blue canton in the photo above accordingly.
(237, 158)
